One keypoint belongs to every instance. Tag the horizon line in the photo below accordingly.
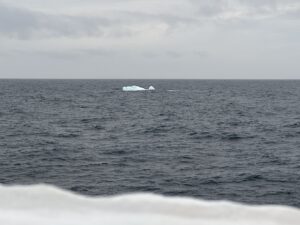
(232, 79)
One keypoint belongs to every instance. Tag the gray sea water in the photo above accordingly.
(234, 140)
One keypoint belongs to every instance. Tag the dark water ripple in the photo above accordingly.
(236, 140)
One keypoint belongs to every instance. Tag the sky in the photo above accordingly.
(150, 39)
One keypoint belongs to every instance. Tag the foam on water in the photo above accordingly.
(43, 204)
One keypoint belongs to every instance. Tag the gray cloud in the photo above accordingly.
(23, 23)
(202, 38)
(244, 9)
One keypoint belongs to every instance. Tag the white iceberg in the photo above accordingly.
(47, 205)
(133, 88)
(137, 88)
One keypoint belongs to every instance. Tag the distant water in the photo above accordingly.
(234, 140)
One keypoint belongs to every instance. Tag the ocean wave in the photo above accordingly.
(293, 125)
(44, 204)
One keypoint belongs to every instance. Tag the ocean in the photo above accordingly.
(209, 139)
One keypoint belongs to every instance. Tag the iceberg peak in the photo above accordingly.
(151, 88)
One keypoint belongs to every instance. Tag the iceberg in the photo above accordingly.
(47, 205)
(137, 88)
(133, 88)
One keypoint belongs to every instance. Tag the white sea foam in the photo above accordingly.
(172, 90)
(46, 205)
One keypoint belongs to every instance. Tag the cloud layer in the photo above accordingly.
(148, 39)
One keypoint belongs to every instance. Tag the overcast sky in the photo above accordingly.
(243, 39)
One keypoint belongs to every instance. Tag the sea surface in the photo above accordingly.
(209, 139)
